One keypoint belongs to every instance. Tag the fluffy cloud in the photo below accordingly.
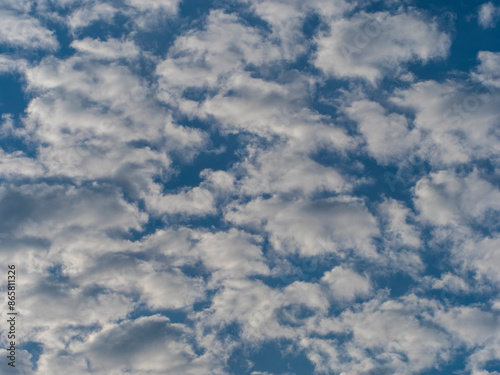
(487, 70)
(346, 284)
(19, 30)
(369, 45)
(91, 116)
(56, 206)
(200, 57)
(473, 327)
(9, 64)
(271, 109)
(182, 188)
(481, 257)
(488, 14)
(447, 199)
(282, 171)
(196, 201)
(398, 343)
(387, 136)
(110, 49)
(287, 18)
(148, 344)
(310, 227)
(458, 120)
(168, 5)
(396, 216)
(234, 254)
(89, 13)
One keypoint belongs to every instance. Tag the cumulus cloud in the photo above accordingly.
(487, 70)
(369, 45)
(445, 198)
(310, 227)
(295, 173)
(388, 136)
(168, 5)
(488, 14)
(396, 216)
(458, 120)
(271, 109)
(110, 49)
(183, 188)
(9, 64)
(287, 17)
(346, 284)
(19, 30)
(17, 164)
(201, 57)
(234, 254)
(89, 13)
(196, 201)
(450, 283)
(148, 344)
(481, 257)
(405, 345)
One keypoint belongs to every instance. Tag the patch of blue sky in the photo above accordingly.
(33, 348)
(272, 357)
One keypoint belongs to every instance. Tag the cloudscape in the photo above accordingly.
(250, 187)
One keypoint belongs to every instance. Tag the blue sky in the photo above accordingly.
(251, 187)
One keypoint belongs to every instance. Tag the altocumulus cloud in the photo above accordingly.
(251, 186)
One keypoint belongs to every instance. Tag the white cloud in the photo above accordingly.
(90, 115)
(168, 5)
(475, 328)
(487, 71)
(234, 254)
(346, 284)
(488, 14)
(9, 64)
(283, 170)
(457, 120)
(16, 164)
(270, 109)
(445, 198)
(249, 302)
(147, 344)
(44, 210)
(195, 201)
(380, 336)
(451, 283)
(217, 181)
(90, 12)
(23, 361)
(480, 256)
(286, 19)
(165, 289)
(369, 45)
(25, 32)
(265, 313)
(399, 343)
(388, 136)
(83, 205)
(334, 225)
(396, 215)
(110, 49)
(201, 57)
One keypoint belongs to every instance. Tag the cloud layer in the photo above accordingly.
(252, 187)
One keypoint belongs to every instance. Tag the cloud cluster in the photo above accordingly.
(19, 30)
(488, 14)
(183, 189)
(372, 45)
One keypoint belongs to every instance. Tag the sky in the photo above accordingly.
(251, 187)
